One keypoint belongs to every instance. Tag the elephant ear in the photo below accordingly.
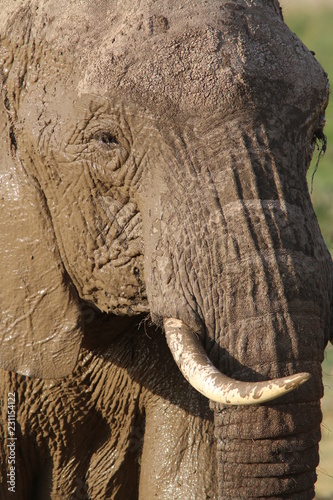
(40, 331)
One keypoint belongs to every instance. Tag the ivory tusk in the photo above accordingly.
(199, 371)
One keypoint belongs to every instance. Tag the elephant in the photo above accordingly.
(165, 289)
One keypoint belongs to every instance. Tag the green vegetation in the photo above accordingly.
(325, 470)
(314, 27)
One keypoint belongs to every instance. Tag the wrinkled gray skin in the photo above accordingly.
(153, 160)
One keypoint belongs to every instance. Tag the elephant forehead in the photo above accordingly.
(199, 58)
(158, 51)
(186, 70)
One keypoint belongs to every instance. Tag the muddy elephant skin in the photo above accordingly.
(153, 159)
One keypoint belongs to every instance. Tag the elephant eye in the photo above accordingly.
(106, 139)
(108, 151)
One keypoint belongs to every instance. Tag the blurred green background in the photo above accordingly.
(312, 21)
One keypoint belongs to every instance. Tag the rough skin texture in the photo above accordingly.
(153, 159)
(114, 427)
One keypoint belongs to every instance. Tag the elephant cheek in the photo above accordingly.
(103, 250)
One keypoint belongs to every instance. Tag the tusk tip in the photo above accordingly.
(296, 380)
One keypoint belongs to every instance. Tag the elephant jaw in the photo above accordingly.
(199, 371)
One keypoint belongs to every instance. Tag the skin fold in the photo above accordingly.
(153, 160)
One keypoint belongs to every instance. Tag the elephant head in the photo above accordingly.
(153, 160)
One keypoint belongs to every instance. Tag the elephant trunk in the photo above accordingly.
(245, 268)
(268, 451)
(272, 326)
